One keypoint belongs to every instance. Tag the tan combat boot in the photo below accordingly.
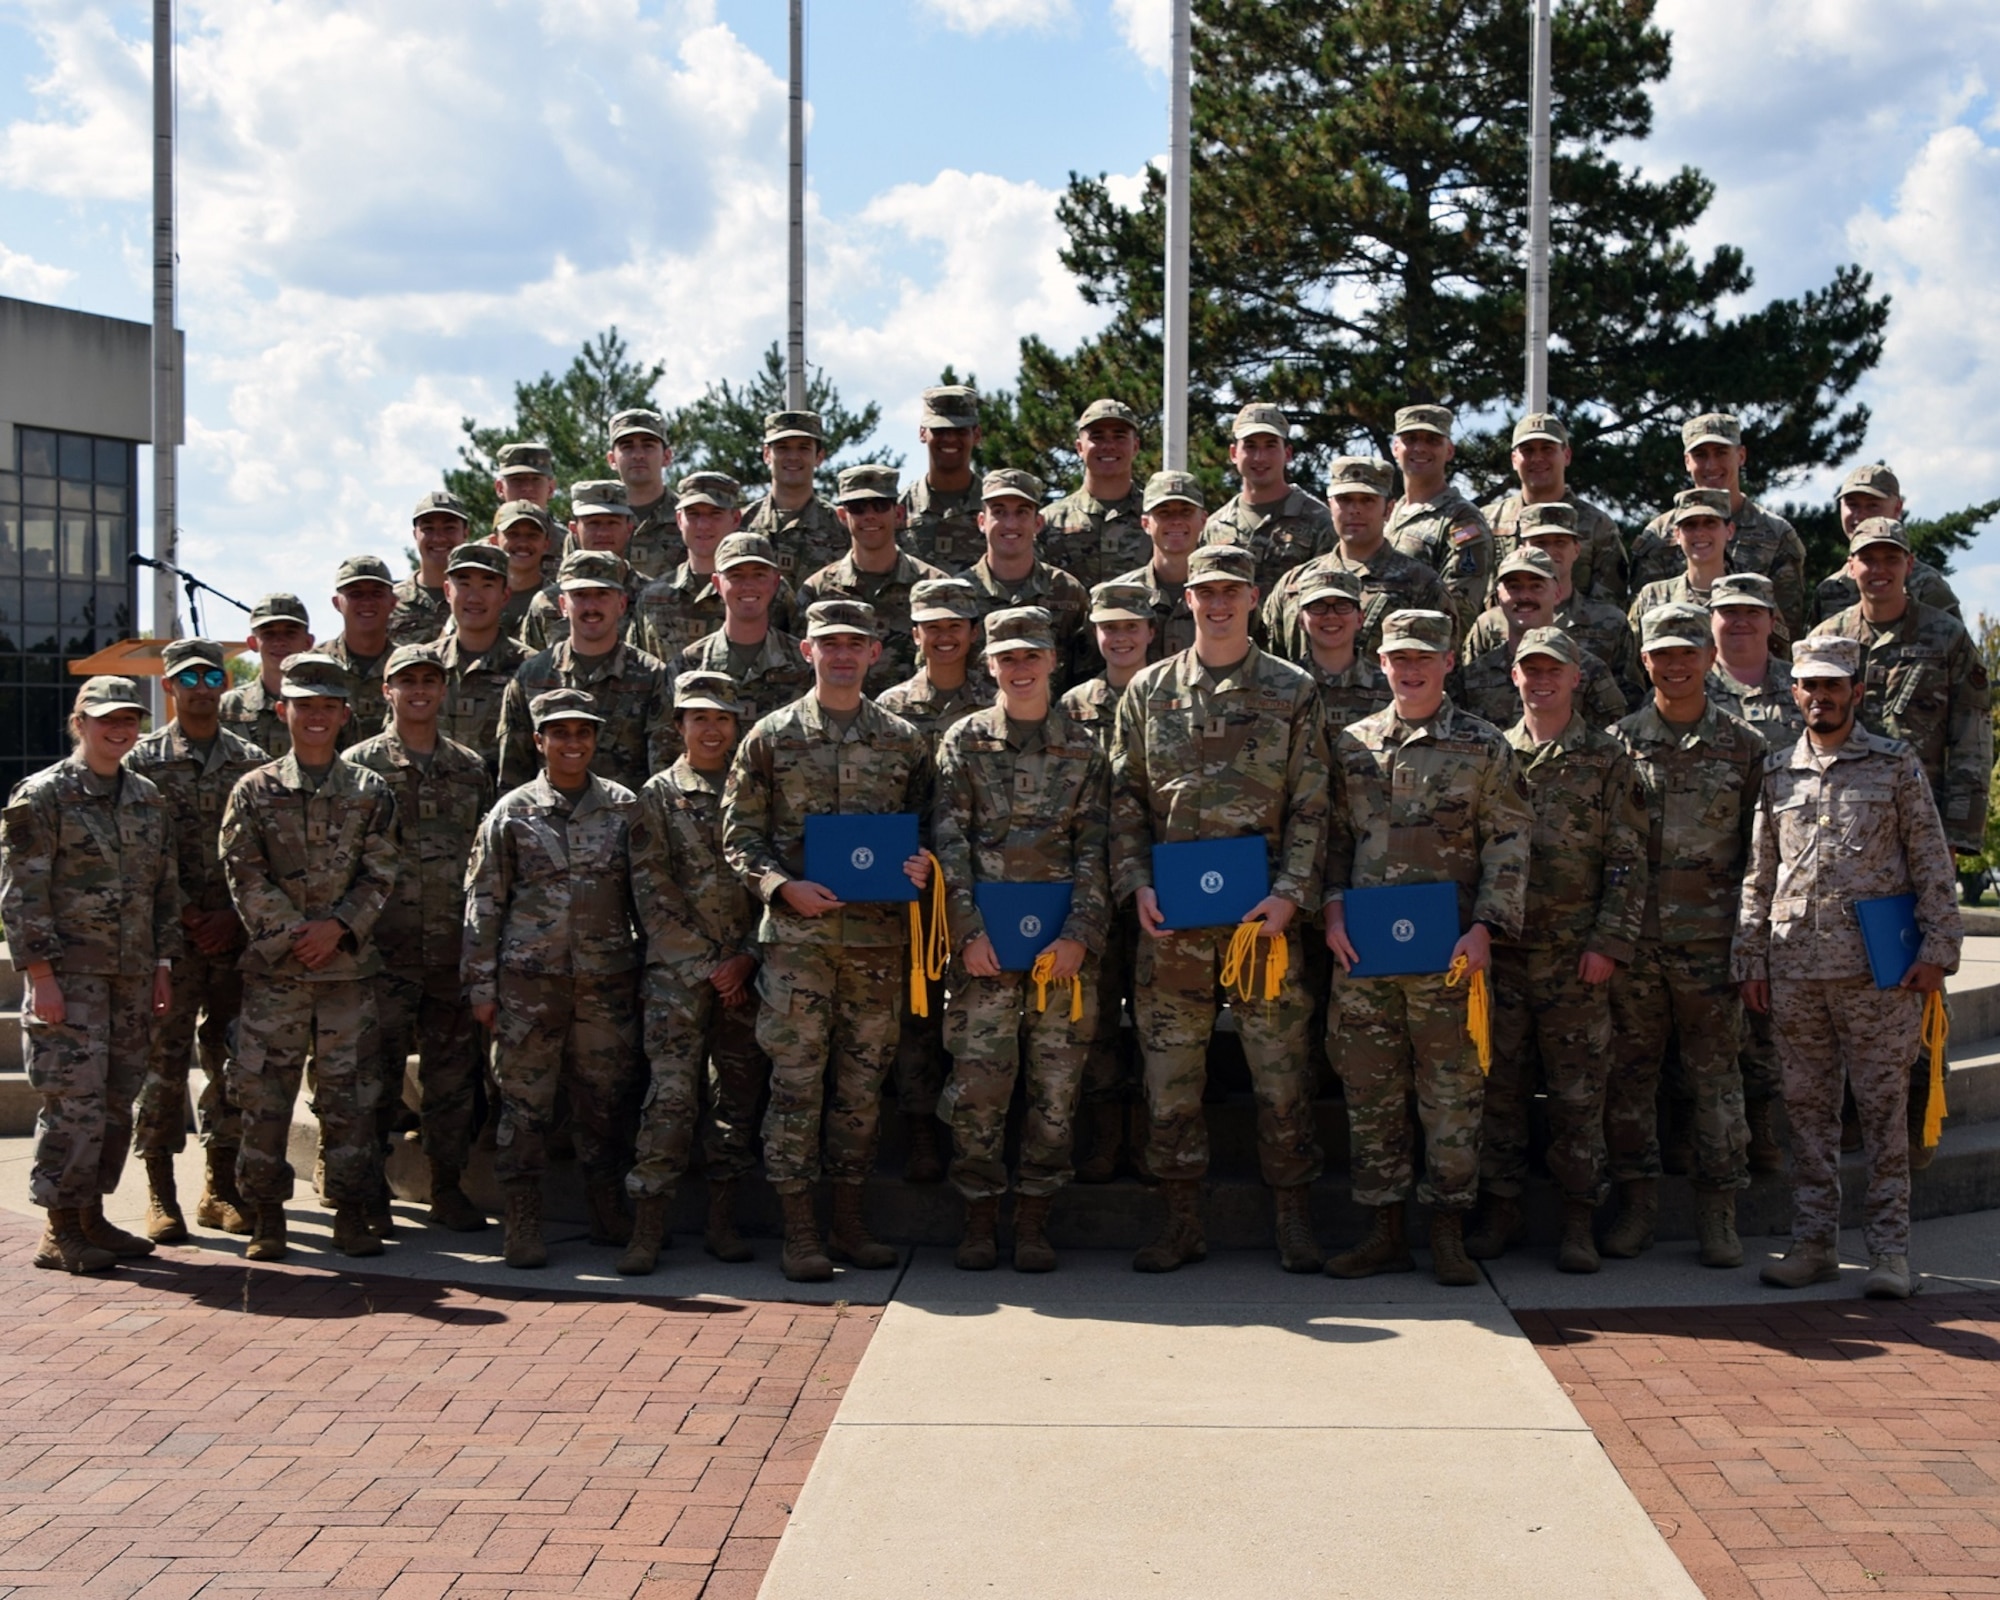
(803, 1259)
(221, 1206)
(524, 1247)
(1888, 1278)
(1107, 1136)
(1450, 1265)
(451, 1206)
(1765, 1153)
(1638, 1214)
(849, 1239)
(1032, 1250)
(107, 1235)
(609, 1223)
(1578, 1250)
(267, 1231)
(979, 1245)
(1386, 1249)
(922, 1163)
(65, 1249)
(1715, 1227)
(1500, 1225)
(1809, 1261)
(1298, 1250)
(719, 1236)
(649, 1235)
(1180, 1240)
(164, 1222)
(352, 1235)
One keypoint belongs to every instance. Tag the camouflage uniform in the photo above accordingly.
(830, 984)
(942, 526)
(634, 693)
(1093, 540)
(1601, 629)
(546, 626)
(1390, 582)
(889, 593)
(1348, 696)
(657, 547)
(1680, 590)
(296, 850)
(1829, 832)
(1484, 686)
(1599, 573)
(806, 539)
(520, 605)
(368, 707)
(1282, 535)
(1065, 600)
(90, 883)
(475, 687)
(1763, 543)
(776, 676)
(673, 612)
(1109, 1073)
(421, 613)
(551, 937)
(1925, 585)
(1173, 622)
(1450, 536)
(208, 990)
(418, 996)
(250, 711)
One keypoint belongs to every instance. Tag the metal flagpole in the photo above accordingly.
(166, 356)
(1174, 406)
(795, 349)
(1538, 211)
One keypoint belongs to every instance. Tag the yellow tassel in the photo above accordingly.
(1478, 1009)
(928, 960)
(1044, 974)
(1936, 1035)
(1239, 965)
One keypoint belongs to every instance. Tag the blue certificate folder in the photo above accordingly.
(1889, 930)
(1209, 883)
(1022, 919)
(1402, 929)
(859, 858)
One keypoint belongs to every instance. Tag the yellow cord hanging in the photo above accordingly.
(1478, 1009)
(1936, 1035)
(1239, 966)
(928, 959)
(1044, 974)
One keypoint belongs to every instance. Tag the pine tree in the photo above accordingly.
(723, 431)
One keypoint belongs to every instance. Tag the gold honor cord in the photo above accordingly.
(1239, 966)
(928, 959)
(1478, 1009)
(1936, 1035)
(1044, 974)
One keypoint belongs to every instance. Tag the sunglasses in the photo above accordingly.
(866, 508)
(201, 677)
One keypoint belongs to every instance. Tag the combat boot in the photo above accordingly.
(1032, 1250)
(220, 1205)
(64, 1248)
(803, 1260)
(1450, 1265)
(922, 1163)
(267, 1232)
(1298, 1250)
(1107, 1135)
(1809, 1261)
(1181, 1240)
(352, 1235)
(1765, 1153)
(1715, 1227)
(1578, 1250)
(164, 1222)
(609, 1223)
(1500, 1225)
(649, 1235)
(108, 1236)
(1384, 1250)
(451, 1206)
(849, 1239)
(1638, 1214)
(524, 1246)
(978, 1246)
(1889, 1279)
(719, 1237)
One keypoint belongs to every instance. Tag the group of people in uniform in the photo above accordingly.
(539, 814)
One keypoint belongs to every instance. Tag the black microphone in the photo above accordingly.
(137, 560)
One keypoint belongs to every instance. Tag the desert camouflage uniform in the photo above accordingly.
(421, 614)
(418, 996)
(1065, 600)
(942, 525)
(1603, 630)
(1094, 540)
(1599, 573)
(1484, 685)
(1925, 585)
(1421, 802)
(889, 593)
(1173, 622)
(634, 693)
(776, 677)
(830, 985)
(551, 936)
(546, 626)
(1026, 808)
(1282, 535)
(1390, 582)
(90, 883)
(1763, 543)
(208, 990)
(806, 539)
(298, 850)
(1197, 754)
(1830, 832)
(1701, 795)
(696, 915)
(1680, 590)
(1586, 891)
(1450, 536)
(475, 687)
(1109, 1071)
(367, 704)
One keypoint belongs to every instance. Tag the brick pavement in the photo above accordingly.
(1789, 1452)
(193, 1425)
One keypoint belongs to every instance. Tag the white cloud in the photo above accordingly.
(981, 16)
(96, 141)
(1147, 26)
(23, 275)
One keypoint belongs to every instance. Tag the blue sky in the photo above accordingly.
(391, 212)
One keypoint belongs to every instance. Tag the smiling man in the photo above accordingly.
(1094, 533)
(800, 525)
(1173, 518)
(1874, 491)
(1541, 457)
(438, 525)
(365, 596)
(876, 570)
(1433, 522)
(478, 657)
(279, 629)
(1485, 686)
(640, 454)
(750, 647)
(600, 519)
(941, 509)
(1278, 522)
(1010, 574)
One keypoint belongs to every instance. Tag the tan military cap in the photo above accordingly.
(1557, 520)
(1163, 487)
(362, 569)
(1108, 411)
(1826, 655)
(1875, 479)
(950, 405)
(441, 502)
(599, 497)
(638, 420)
(1007, 481)
(1260, 417)
(405, 656)
(524, 460)
(1360, 475)
(866, 482)
(1717, 500)
(312, 676)
(1675, 623)
(1020, 628)
(1541, 425)
(1711, 427)
(1121, 602)
(709, 489)
(793, 425)
(1526, 558)
(591, 569)
(563, 705)
(743, 549)
(944, 600)
(1424, 419)
(1694, 510)
(841, 616)
(1549, 642)
(1743, 589)
(180, 652)
(1878, 530)
(1334, 583)
(1221, 563)
(1430, 631)
(514, 511)
(278, 607)
(706, 691)
(480, 557)
(100, 696)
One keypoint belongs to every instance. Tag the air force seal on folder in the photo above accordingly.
(1022, 919)
(1210, 883)
(858, 858)
(1402, 929)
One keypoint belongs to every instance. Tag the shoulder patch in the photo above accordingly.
(1465, 532)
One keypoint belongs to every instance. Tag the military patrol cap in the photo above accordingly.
(710, 489)
(599, 497)
(1692, 503)
(179, 652)
(1020, 628)
(1368, 474)
(1430, 631)
(563, 705)
(1875, 478)
(866, 482)
(1121, 602)
(1878, 530)
(1549, 642)
(943, 600)
(101, 696)
(638, 420)
(1711, 427)
(706, 691)
(591, 569)
(1557, 519)
(1541, 425)
(793, 425)
(477, 557)
(840, 616)
(523, 461)
(951, 405)
(1221, 563)
(1163, 487)
(1424, 419)
(997, 485)
(1335, 583)
(1676, 623)
(441, 502)
(1743, 589)
(1826, 655)
(310, 676)
(520, 511)
(1108, 411)
(1260, 417)
(742, 549)
(362, 569)
(406, 656)
(278, 607)
(1526, 558)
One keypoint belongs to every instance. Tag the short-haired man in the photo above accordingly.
(1011, 575)
(1874, 491)
(941, 508)
(800, 525)
(640, 454)
(1485, 685)
(1093, 533)
(1434, 522)
(1173, 517)
(524, 470)
(1541, 456)
(1596, 625)
(478, 656)
(1272, 517)
(523, 530)
(876, 570)
(439, 524)
(599, 520)
(364, 594)
(1705, 535)
(1800, 957)
(279, 629)
(750, 647)
(686, 605)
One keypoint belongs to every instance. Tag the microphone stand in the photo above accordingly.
(190, 583)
